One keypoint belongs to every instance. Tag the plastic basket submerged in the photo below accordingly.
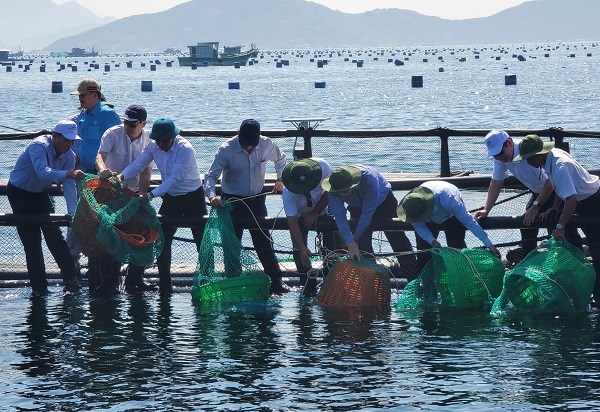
(352, 284)
(233, 290)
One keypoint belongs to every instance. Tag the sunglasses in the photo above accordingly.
(131, 123)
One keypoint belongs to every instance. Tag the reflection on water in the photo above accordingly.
(137, 353)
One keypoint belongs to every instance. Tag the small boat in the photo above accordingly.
(208, 54)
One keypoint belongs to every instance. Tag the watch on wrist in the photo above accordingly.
(536, 203)
(559, 226)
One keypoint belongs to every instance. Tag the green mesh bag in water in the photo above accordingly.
(226, 272)
(110, 219)
(459, 279)
(554, 278)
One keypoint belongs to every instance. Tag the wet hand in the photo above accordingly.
(76, 174)
(215, 201)
(106, 173)
(495, 251)
(353, 251)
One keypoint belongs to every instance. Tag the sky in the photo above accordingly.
(448, 9)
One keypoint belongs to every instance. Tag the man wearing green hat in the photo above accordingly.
(368, 195)
(181, 186)
(304, 200)
(437, 201)
(575, 186)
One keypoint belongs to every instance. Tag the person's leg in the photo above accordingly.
(168, 208)
(456, 237)
(398, 240)
(23, 202)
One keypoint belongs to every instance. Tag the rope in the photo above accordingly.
(12, 128)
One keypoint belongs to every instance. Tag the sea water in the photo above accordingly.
(135, 353)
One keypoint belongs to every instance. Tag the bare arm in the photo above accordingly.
(297, 240)
(103, 171)
(145, 180)
(568, 210)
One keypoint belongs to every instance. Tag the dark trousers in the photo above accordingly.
(398, 240)
(29, 203)
(190, 204)
(529, 235)
(329, 243)
(246, 208)
(590, 208)
(454, 238)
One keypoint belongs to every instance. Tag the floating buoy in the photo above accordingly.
(510, 80)
(320, 64)
(42, 69)
(320, 85)
(57, 87)
(146, 85)
(359, 63)
(521, 58)
(73, 68)
(441, 69)
(169, 64)
(278, 64)
(398, 62)
(194, 66)
(107, 67)
(129, 65)
(153, 67)
(416, 81)
(142, 64)
(8, 69)
(236, 65)
(234, 85)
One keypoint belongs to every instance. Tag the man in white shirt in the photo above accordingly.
(437, 201)
(503, 149)
(241, 164)
(304, 200)
(180, 188)
(119, 147)
(579, 190)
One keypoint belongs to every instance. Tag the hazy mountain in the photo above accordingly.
(33, 24)
(278, 24)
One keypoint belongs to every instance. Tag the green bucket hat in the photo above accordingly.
(532, 145)
(416, 206)
(341, 179)
(301, 176)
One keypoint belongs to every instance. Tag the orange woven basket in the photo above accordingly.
(85, 224)
(351, 284)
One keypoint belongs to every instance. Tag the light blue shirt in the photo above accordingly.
(178, 169)
(38, 166)
(449, 203)
(368, 195)
(90, 127)
(243, 174)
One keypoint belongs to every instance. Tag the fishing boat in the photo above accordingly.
(79, 52)
(208, 54)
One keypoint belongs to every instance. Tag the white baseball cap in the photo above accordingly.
(67, 128)
(494, 141)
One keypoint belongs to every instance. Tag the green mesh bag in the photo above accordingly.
(226, 273)
(458, 279)
(110, 219)
(555, 278)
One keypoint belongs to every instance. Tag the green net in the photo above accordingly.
(226, 272)
(110, 219)
(556, 278)
(458, 279)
